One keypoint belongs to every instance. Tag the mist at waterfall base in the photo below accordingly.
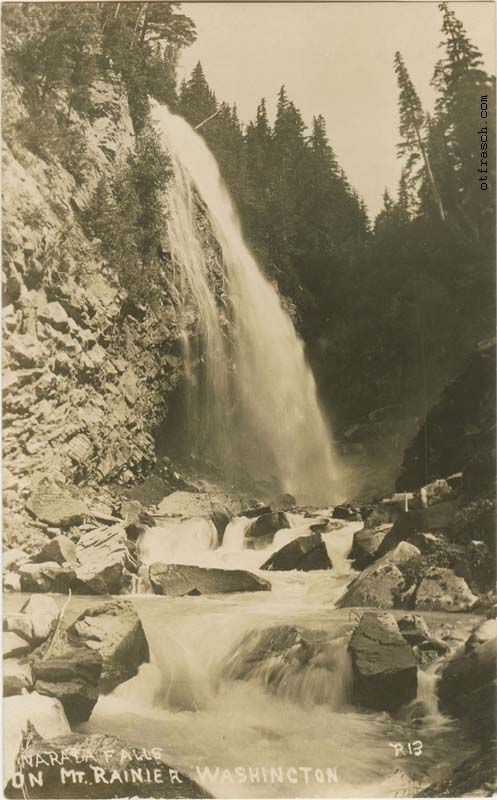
(207, 703)
(250, 403)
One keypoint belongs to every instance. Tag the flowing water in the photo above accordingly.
(246, 718)
(251, 399)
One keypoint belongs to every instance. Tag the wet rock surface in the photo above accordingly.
(261, 531)
(177, 580)
(383, 664)
(304, 554)
(366, 545)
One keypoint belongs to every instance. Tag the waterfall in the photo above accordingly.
(251, 402)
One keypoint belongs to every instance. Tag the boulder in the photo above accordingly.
(60, 549)
(13, 558)
(347, 513)
(185, 504)
(421, 520)
(56, 504)
(114, 630)
(304, 554)
(426, 543)
(482, 633)
(473, 777)
(71, 675)
(141, 773)
(383, 665)
(255, 511)
(11, 582)
(434, 492)
(442, 590)
(467, 687)
(382, 584)
(380, 514)
(220, 516)
(47, 577)
(261, 531)
(413, 628)
(177, 580)
(14, 646)
(54, 315)
(17, 677)
(302, 664)
(430, 650)
(104, 556)
(366, 544)
(21, 714)
(43, 613)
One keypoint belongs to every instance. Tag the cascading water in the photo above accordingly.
(251, 400)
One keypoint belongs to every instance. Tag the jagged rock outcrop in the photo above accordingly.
(86, 375)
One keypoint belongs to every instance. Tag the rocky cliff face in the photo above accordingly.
(86, 374)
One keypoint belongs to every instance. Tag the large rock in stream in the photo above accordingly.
(382, 584)
(366, 544)
(178, 580)
(302, 664)
(110, 768)
(304, 554)
(260, 533)
(383, 664)
(114, 630)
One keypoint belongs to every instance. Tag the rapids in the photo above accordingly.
(209, 705)
(206, 702)
(251, 399)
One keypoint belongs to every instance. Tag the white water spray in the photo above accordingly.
(251, 401)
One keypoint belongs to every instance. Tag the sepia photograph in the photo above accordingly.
(249, 399)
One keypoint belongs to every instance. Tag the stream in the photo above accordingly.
(301, 738)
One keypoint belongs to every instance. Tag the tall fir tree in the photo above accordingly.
(411, 128)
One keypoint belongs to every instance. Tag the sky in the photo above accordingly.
(335, 59)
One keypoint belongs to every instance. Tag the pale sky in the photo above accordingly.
(335, 59)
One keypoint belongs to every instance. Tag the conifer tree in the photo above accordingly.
(196, 101)
(460, 82)
(411, 128)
